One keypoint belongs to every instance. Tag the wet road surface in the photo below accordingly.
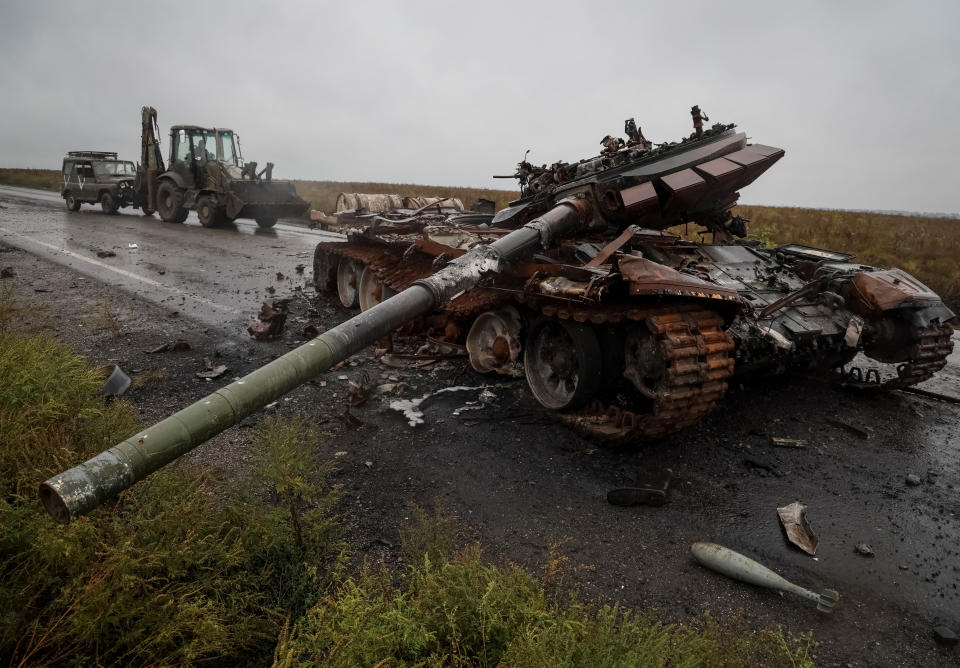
(218, 276)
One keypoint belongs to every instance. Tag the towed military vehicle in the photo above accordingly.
(625, 328)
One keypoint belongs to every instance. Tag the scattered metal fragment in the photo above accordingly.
(945, 636)
(271, 320)
(788, 442)
(931, 395)
(734, 565)
(359, 390)
(411, 408)
(133, 246)
(865, 550)
(117, 381)
(648, 493)
(799, 532)
(856, 431)
(214, 372)
(162, 348)
(106, 253)
(299, 268)
(7, 272)
(913, 480)
(280, 276)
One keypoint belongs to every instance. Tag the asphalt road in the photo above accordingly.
(521, 482)
(218, 276)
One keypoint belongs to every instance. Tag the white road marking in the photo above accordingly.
(125, 273)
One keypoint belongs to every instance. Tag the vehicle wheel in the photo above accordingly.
(109, 204)
(371, 290)
(563, 363)
(145, 211)
(266, 221)
(209, 213)
(348, 281)
(170, 203)
(72, 202)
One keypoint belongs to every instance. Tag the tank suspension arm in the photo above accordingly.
(86, 486)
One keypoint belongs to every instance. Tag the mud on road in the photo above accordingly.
(520, 482)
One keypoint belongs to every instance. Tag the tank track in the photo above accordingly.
(931, 345)
(697, 350)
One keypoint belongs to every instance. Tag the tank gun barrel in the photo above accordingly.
(86, 486)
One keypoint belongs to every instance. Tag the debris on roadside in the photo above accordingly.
(132, 246)
(864, 550)
(734, 565)
(271, 320)
(793, 517)
(180, 346)
(411, 408)
(281, 277)
(358, 391)
(312, 331)
(117, 382)
(945, 636)
(7, 272)
(211, 370)
(106, 253)
(846, 426)
(787, 442)
(299, 268)
(913, 480)
(648, 493)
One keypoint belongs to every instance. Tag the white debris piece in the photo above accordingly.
(411, 407)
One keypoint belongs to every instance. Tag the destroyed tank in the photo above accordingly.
(624, 328)
(629, 330)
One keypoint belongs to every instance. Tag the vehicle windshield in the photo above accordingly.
(205, 146)
(114, 168)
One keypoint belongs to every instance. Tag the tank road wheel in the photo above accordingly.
(371, 290)
(170, 203)
(73, 204)
(109, 204)
(348, 281)
(209, 213)
(146, 212)
(563, 363)
(266, 221)
(325, 265)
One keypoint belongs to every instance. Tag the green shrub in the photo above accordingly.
(462, 612)
(175, 572)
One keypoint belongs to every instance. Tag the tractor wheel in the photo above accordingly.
(109, 204)
(209, 213)
(266, 221)
(73, 204)
(170, 203)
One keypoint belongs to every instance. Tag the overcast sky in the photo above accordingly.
(864, 96)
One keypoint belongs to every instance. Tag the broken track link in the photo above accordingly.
(696, 350)
(931, 345)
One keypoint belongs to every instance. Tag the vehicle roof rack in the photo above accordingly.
(103, 155)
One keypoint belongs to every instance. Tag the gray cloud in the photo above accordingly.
(862, 95)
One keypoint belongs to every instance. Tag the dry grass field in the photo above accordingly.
(927, 247)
